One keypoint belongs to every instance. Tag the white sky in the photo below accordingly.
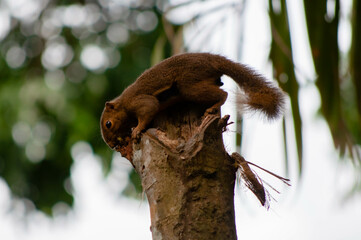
(311, 209)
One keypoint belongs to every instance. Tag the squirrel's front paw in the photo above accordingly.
(136, 134)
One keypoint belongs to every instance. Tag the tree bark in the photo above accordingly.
(187, 175)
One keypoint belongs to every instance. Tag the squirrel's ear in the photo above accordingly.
(109, 105)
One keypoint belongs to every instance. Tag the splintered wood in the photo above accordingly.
(253, 182)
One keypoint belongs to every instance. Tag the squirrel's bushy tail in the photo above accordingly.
(261, 95)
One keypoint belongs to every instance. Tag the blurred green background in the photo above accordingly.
(61, 60)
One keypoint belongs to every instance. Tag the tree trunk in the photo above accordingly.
(187, 175)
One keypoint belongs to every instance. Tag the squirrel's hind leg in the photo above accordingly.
(205, 92)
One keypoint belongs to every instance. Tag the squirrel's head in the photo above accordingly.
(114, 125)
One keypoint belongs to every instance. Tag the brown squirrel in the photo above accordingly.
(191, 77)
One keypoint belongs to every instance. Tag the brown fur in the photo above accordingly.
(192, 77)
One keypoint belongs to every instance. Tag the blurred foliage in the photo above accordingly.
(61, 60)
(340, 92)
(284, 71)
(338, 103)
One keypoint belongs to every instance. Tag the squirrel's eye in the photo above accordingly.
(108, 124)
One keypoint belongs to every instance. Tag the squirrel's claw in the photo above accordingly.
(136, 134)
(211, 110)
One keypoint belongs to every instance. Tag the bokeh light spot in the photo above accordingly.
(42, 132)
(80, 150)
(147, 21)
(21, 133)
(15, 57)
(56, 55)
(35, 151)
(117, 33)
(26, 10)
(4, 24)
(74, 16)
(94, 58)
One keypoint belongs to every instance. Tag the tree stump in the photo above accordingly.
(187, 175)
